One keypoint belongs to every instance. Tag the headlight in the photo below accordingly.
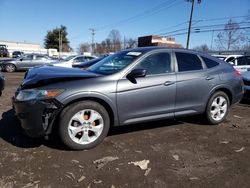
(31, 94)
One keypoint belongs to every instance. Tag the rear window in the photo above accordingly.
(188, 62)
(209, 62)
(245, 60)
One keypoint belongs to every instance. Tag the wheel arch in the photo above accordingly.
(225, 90)
(104, 103)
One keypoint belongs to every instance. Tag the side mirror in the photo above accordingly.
(231, 63)
(136, 73)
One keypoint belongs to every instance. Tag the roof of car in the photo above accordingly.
(150, 48)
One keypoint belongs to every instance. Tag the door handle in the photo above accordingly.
(210, 78)
(168, 83)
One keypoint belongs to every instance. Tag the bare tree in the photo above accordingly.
(231, 37)
(84, 47)
(202, 48)
(131, 43)
(115, 38)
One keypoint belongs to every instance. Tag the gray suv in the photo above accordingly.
(26, 62)
(132, 86)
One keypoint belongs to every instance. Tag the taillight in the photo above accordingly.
(237, 73)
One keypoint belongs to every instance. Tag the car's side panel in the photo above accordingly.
(151, 96)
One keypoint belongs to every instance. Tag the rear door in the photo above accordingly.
(150, 97)
(192, 84)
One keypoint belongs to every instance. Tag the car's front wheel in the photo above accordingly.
(83, 125)
(217, 108)
(10, 68)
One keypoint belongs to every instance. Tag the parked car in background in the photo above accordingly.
(74, 60)
(221, 57)
(26, 62)
(17, 54)
(246, 80)
(231, 58)
(87, 64)
(131, 86)
(241, 63)
(4, 51)
(2, 82)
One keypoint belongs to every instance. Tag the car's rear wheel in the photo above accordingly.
(217, 108)
(10, 68)
(83, 125)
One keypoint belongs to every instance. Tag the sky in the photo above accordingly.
(29, 20)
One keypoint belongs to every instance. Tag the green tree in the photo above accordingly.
(56, 38)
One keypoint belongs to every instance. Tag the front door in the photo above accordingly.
(150, 97)
(25, 62)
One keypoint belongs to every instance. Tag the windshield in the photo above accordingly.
(114, 63)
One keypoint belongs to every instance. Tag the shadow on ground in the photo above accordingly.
(11, 131)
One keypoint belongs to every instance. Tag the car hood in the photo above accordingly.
(246, 75)
(45, 75)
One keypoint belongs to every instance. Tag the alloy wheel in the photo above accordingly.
(219, 108)
(85, 126)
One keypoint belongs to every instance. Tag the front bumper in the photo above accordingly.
(37, 116)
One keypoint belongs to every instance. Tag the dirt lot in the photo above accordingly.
(181, 153)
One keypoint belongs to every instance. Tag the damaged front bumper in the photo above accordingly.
(37, 116)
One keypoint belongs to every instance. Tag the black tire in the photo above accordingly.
(208, 113)
(10, 68)
(69, 112)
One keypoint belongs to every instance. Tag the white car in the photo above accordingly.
(227, 58)
(241, 63)
(73, 60)
(231, 58)
(221, 57)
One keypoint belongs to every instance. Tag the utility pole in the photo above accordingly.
(93, 39)
(124, 42)
(190, 21)
(211, 46)
(59, 43)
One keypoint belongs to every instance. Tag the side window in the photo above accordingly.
(27, 57)
(40, 57)
(210, 63)
(230, 59)
(79, 59)
(158, 63)
(188, 62)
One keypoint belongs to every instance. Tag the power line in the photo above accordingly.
(203, 26)
(211, 30)
(163, 6)
(149, 12)
(200, 20)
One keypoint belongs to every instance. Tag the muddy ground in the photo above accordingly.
(181, 153)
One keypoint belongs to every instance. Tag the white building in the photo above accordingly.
(28, 47)
(24, 47)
